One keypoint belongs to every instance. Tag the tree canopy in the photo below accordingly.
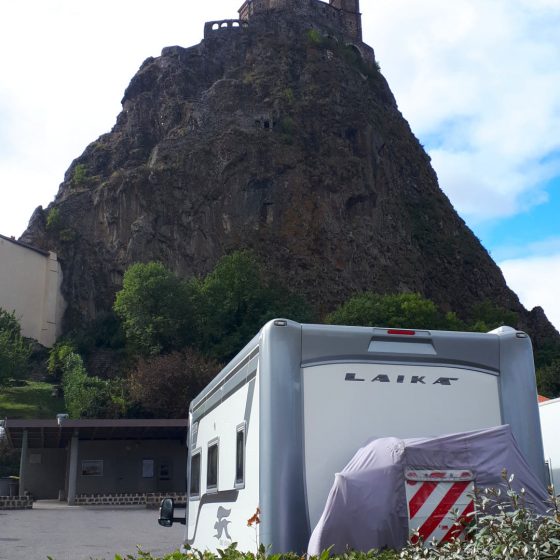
(548, 379)
(486, 316)
(163, 386)
(216, 314)
(235, 300)
(178, 332)
(412, 310)
(88, 396)
(408, 310)
(155, 308)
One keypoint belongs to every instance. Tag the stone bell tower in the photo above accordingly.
(352, 16)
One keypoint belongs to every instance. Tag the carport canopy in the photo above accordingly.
(53, 433)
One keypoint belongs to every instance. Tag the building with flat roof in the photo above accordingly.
(100, 461)
(30, 281)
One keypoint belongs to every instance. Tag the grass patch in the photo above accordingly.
(32, 400)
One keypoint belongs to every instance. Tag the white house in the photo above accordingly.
(30, 281)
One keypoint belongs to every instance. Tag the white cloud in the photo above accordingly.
(535, 281)
(478, 80)
(65, 67)
(547, 247)
(485, 188)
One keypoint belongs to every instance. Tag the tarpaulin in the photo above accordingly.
(367, 506)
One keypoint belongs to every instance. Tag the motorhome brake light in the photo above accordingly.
(401, 332)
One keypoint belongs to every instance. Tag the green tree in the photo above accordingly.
(90, 397)
(548, 379)
(14, 351)
(217, 314)
(57, 359)
(412, 310)
(235, 300)
(155, 308)
(105, 331)
(409, 310)
(547, 352)
(487, 316)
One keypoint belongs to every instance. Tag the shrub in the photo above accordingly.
(67, 235)
(231, 553)
(548, 379)
(53, 219)
(105, 331)
(14, 351)
(547, 352)
(314, 37)
(288, 95)
(504, 528)
(80, 174)
(90, 397)
(486, 316)
(57, 359)
(163, 386)
(287, 126)
(77, 393)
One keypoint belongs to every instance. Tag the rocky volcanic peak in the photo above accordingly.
(276, 136)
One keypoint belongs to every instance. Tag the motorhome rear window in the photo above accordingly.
(240, 456)
(194, 485)
(212, 466)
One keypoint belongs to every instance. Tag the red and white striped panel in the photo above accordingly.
(434, 498)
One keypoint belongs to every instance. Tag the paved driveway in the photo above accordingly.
(83, 533)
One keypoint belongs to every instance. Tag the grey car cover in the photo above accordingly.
(367, 506)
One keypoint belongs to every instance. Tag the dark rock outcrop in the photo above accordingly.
(276, 136)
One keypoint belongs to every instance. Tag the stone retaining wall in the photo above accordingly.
(15, 502)
(151, 500)
(110, 499)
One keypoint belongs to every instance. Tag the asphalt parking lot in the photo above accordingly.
(83, 533)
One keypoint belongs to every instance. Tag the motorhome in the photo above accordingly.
(268, 434)
(550, 424)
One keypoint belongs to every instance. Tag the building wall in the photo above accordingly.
(123, 463)
(341, 14)
(30, 283)
(45, 473)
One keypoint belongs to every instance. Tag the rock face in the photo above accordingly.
(276, 133)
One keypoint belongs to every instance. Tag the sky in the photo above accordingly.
(478, 81)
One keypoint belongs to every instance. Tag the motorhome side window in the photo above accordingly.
(240, 456)
(194, 484)
(212, 466)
